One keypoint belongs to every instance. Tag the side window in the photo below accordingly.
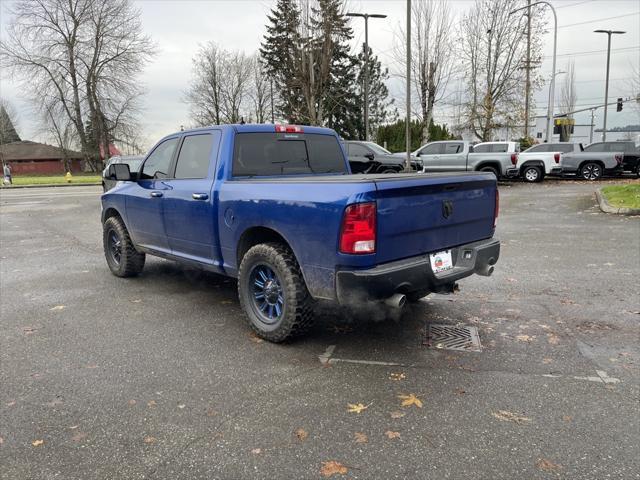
(158, 163)
(500, 147)
(539, 148)
(564, 148)
(194, 157)
(594, 147)
(431, 149)
(356, 150)
(482, 149)
(452, 148)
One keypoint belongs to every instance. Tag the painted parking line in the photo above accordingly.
(327, 358)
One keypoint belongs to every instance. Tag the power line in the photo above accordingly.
(599, 20)
(592, 52)
(574, 4)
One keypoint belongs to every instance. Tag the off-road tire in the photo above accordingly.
(131, 261)
(529, 176)
(492, 170)
(297, 311)
(591, 171)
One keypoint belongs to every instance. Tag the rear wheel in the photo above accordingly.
(122, 257)
(492, 170)
(638, 170)
(532, 174)
(273, 293)
(389, 170)
(591, 171)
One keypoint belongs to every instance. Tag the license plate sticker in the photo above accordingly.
(441, 261)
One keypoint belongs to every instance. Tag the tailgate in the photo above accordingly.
(421, 214)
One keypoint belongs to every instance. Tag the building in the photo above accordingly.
(32, 158)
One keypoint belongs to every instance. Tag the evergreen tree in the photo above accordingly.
(8, 132)
(280, 55)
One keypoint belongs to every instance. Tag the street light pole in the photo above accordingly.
(407, 160)
(606, 85)
(552, 85)
(366, 17)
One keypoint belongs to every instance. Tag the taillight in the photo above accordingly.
(497, 210)
(289, 129)
(514, 159)
(556, 157)
(358, 233)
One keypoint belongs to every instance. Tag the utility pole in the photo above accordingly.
(527, 88)
(592, 124)
(407, 161)
(606, 85)
(552, 85)
(366, 17)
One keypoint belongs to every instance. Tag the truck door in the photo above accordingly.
(144, 200)
(430, 156)
(190, 206)
(453, 158)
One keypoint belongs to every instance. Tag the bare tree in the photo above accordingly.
(568, 98)
(8, 120)
(59, 129)
(494, 50)
(83, 54)
(259, 90)
(432, 52)
(235, 91)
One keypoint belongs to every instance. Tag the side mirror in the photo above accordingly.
(370, 156)
(121, 172)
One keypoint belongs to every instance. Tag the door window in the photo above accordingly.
(356, 150)
(538, 148)
(452, 148)
(194, 157)
(486, 148)
(431, 149)
(158, 163)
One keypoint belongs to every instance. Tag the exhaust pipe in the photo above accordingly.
(486, 270)
(396, 300)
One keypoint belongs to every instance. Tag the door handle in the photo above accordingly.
(156, 194)
(200, 196)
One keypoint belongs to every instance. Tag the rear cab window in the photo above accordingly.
(276, 154)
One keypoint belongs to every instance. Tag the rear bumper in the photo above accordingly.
(512, 172)
(415, 274)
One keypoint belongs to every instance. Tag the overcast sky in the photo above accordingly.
(179, 26)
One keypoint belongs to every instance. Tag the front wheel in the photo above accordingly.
(122, 257)
(638, 170)
(273, 293)
(492, 170)
(532, 174)
(591, 171)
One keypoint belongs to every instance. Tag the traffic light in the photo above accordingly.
(619, 107)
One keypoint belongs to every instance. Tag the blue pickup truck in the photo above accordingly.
(276, 207)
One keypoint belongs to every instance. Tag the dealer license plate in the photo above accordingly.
(441, 261)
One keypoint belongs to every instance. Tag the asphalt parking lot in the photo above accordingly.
(158, 377)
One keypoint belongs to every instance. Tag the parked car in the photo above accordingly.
(459, 156)
(630, 151)
(276, 208)
(369, 157)
(108, 180)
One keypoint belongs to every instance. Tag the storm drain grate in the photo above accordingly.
(452, 337)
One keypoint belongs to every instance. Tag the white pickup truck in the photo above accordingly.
(564, 158)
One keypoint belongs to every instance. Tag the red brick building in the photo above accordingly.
(32, 158)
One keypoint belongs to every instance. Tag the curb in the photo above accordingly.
(56, 185)
(606, 208)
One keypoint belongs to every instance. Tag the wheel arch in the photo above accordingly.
(490, 163)
(259, 234)
(595, 160)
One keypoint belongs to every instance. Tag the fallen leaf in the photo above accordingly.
(391, 435)
(356, 407)
(547, 361)
(301, 434)
(73, 427)
(255, 338)
(132, 402)
(29, 330)
(211, 412)
(91, 366)
(226, 302)
(397, 414)
(460, 391)
(523, 338)
(149, 440)
(553, 339)
(181, 406)
(1, 440)
(78, 437)
(411, 399)
(137, 300)
(333, 468)
(37, 443)
(342, 329)
(151, 403)
(567, 418)
(256, 451)
(397, 376)
(512, 280)
(506, 416)
(547, 465)
(360, 437)
(57, 308)
(11, 404)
